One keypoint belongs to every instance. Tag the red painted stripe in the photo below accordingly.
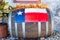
(36, 17)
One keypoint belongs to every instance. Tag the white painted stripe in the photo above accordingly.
(46, 28)
(35, 10)
(16, 29)
(23, 29)
(39, 29)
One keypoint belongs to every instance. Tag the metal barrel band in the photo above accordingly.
(9, 23)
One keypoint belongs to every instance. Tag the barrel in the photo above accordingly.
(31, 29)
(3, 30)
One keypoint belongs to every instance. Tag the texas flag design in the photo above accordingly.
(31, 15)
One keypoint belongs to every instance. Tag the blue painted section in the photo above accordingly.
(19, 18)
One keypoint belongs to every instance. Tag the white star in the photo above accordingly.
(20, 13)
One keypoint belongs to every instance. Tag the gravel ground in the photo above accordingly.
(55, 36)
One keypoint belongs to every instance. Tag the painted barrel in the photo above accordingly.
(31, 28)
(3, 30)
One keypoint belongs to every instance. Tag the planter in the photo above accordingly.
(3, 30)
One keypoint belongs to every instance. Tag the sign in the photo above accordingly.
(31, 15)
(25, 0)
